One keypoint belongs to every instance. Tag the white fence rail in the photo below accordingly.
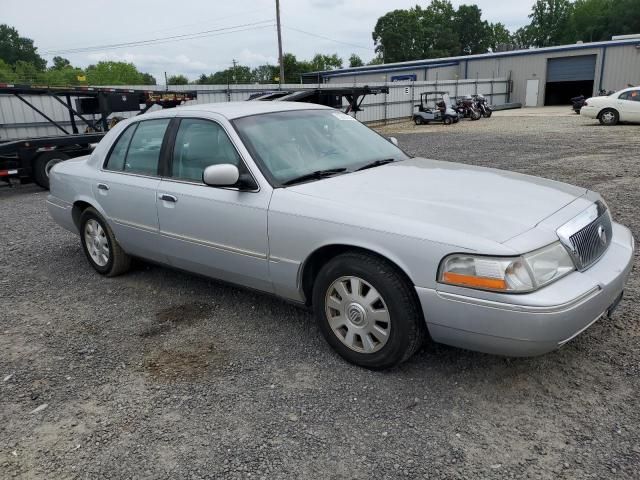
(17, 120)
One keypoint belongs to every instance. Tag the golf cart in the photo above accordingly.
(430, 109)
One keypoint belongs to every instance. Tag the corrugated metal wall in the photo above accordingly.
(17, 120)
(621, 67)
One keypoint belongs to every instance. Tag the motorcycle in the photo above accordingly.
(578, 102)
(480, 103)
(466, 108)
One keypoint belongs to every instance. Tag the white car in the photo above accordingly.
(622, 106)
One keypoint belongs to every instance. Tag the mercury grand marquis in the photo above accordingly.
(305, 202)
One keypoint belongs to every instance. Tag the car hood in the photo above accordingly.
(448, 197)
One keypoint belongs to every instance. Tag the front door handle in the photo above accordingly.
(103, 186)
(167, 198)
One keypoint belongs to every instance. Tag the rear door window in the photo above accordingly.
(144, 150)
(119, 150)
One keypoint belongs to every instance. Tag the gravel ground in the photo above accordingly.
(159, 374)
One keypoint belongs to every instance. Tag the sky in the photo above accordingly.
(241, 30)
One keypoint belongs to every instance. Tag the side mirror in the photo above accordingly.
(223, 175)
(394, 140)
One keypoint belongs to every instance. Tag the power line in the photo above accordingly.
(327, 38)
(173, 38)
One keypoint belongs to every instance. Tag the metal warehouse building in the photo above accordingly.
(542, 76)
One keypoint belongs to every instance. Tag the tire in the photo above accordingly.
(43, 163)
(417, 120)
(117, 261)
(447, 120)
(488, 113)
(609, 116)
(475, 115)
(383, 289)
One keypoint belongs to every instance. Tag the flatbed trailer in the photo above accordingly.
(30, 159)
(331, 97)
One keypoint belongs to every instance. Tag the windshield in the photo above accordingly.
(296, 143)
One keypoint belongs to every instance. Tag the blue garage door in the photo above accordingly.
(571, 69)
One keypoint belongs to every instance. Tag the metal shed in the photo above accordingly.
(540, 76)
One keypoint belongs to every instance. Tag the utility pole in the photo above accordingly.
(166, 82)
(235, 73)
(280, 61)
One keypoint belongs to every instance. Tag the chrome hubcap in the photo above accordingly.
(607, 117)
(357, 314)
(95, 239)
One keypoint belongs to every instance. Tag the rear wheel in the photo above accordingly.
(475, 115)
(609, 116)
(417, 120)
(100, 246)
(42, 166)
(367, 311)
(447, 120)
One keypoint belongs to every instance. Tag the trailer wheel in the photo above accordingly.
(43, 163)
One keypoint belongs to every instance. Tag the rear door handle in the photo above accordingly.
(167, 198)
(103, 186)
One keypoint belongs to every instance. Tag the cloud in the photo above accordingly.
(253, 59)
(157, 64)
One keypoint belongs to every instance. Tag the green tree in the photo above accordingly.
(551, 22)
(115, 73)
(6, 72)
(325, 62)
(498, 35)
(591, 19)
(355, 61)
(398, 35)
(523, 37)
(60, 63)
(14, 48)
(27, 72)
(473, 32)
(148, 79)
(177, 80)
(417, 33)
(264, 74)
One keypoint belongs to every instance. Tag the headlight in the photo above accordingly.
(507, 274)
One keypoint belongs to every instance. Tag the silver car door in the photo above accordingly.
(218, 232)
(127, 187)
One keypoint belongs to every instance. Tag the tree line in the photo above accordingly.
(439, 30)
(435, 31)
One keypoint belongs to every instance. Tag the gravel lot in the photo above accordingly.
(159, 374)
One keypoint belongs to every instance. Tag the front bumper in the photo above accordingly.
(534, 323)
(589, 112)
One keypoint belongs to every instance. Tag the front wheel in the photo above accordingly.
(100, 246)
(609, 117)
(447, 120)
(418, 120)
(475, 115)
(367, 311)
(488, 113)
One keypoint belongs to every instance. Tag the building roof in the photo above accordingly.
(442, 62)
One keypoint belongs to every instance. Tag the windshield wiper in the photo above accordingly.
(318, 174)
(376, 163)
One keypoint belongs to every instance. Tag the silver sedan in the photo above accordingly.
(307, 203)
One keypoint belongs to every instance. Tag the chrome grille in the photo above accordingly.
(587, 236)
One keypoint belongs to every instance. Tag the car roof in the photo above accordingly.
(232, 110)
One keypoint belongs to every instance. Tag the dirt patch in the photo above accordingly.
(183, 363)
